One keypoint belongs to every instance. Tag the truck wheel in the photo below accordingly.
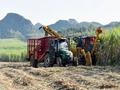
(94, 59)
(75, 61)
(47, 61)
(33, 62)
(59, 61)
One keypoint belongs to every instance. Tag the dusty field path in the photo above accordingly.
(20, 76)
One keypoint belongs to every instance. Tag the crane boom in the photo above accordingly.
(51, 32)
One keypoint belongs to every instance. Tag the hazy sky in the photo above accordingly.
(49, 11)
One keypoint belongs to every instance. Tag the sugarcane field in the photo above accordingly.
(59, 45)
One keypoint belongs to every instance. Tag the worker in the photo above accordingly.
(64, 47)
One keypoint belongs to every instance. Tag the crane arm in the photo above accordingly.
(51, 32)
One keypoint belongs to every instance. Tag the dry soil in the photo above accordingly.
(20, 76)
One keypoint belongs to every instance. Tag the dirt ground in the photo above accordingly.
(20, 76)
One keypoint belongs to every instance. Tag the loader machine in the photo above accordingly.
(85, 51)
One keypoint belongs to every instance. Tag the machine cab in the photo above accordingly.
(86, 42)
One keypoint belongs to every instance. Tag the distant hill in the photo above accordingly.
(72, 23)
(16, 26)
(71, 26)
(112, 25)
(64, 24)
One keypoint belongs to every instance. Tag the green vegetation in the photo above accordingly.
(12, 50)
(109, 49)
